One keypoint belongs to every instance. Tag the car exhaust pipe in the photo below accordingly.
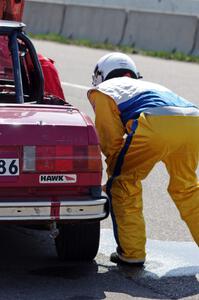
(54, 231)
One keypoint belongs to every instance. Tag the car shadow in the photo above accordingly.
(29, 269)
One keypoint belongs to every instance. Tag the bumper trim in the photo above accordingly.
(63, 210)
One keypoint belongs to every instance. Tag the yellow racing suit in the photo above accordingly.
(167, 131)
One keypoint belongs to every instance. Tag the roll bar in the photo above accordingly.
(14, 31)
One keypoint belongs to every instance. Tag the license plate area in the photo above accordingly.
(9, 167)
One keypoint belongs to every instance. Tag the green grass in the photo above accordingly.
(174, 55)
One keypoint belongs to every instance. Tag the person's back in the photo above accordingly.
(13, 10)
(134, 96)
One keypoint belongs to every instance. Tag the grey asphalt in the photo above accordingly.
(29, 268)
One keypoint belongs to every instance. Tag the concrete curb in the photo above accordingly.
(160, 31)
(195, 50)
(91, 23)
(142, 29)
(43, 17)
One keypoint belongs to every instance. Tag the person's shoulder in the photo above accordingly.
(149, 85)
(93, 92)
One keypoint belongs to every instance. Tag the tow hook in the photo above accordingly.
(54, 231)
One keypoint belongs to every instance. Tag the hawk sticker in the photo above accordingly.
(58, 178)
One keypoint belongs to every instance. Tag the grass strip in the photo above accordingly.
(174, 55)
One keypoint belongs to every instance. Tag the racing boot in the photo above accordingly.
(119, 259)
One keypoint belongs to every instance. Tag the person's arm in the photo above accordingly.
(109, 126)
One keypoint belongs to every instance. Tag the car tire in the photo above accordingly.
(78, 241)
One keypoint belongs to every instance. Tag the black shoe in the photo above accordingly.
(117, 260)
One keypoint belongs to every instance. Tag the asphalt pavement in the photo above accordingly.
(29, 267)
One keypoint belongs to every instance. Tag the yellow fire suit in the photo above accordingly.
(164, 133)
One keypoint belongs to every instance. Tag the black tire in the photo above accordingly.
(77, 242)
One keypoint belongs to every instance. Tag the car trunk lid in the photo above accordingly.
(41, 125)
(43, 146)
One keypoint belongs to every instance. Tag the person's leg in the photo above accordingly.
(181, 162)
(126, 192)
(128, 220)
(184, 187)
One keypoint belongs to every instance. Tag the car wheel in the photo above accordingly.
(78, 241)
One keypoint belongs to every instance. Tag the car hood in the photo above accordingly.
(40, 124)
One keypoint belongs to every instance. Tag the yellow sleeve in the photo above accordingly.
(109, 126)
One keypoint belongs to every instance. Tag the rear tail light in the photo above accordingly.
(62, 159)
(29, 158)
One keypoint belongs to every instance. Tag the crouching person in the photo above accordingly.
(139, 124)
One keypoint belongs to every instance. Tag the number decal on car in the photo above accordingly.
(9, 166)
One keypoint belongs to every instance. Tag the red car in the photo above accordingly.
(50, 161)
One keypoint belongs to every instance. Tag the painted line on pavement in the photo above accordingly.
(77, 86)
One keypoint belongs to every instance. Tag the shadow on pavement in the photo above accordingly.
(29, 269)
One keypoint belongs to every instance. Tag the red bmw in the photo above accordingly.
(50, 161)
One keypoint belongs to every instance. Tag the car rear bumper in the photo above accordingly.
(97, 209)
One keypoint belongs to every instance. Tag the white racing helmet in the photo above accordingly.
(113, 62)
